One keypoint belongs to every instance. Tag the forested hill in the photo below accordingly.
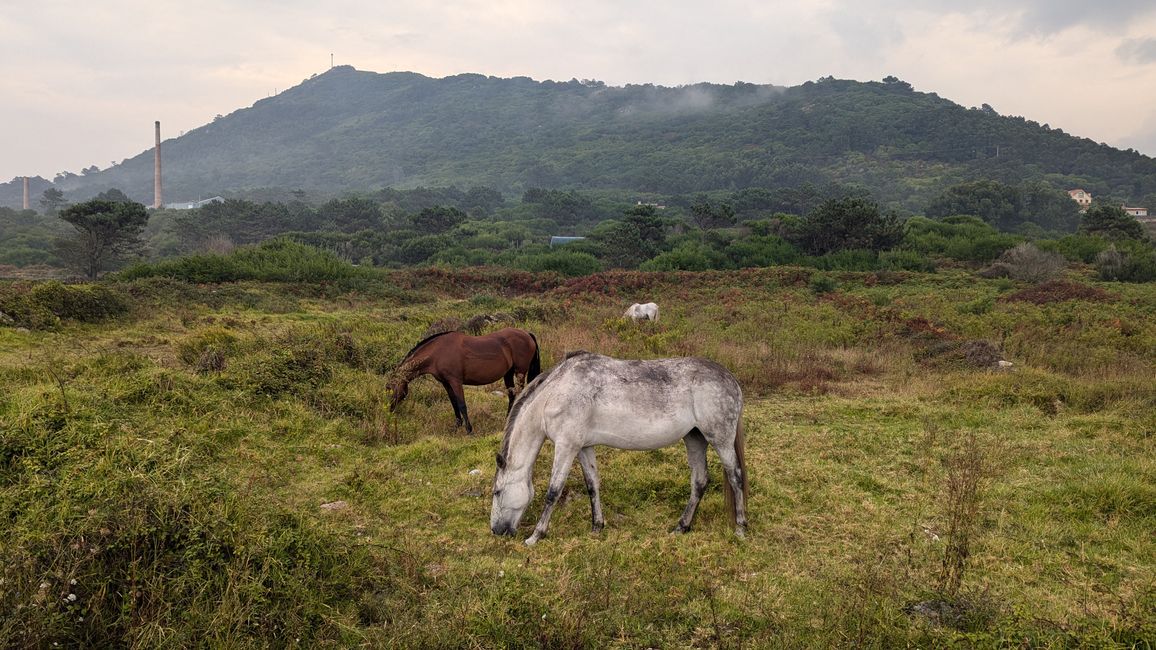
(348, 131)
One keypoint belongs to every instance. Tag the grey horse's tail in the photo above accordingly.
(536, 362)
(741, 464)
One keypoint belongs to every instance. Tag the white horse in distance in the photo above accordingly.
(637, 312)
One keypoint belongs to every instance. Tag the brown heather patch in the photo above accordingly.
(1059, 291)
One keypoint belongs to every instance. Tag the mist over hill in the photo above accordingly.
(355, 131)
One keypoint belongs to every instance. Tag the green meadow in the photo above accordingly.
(215, 465)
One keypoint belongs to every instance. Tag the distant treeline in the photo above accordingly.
(832, 227)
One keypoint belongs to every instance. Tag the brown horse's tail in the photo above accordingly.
(536, 362)
(741, 464)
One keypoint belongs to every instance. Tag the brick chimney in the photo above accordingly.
(27, 205)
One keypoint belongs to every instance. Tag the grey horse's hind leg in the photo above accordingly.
(696, 458)
(734, 476)
(590, 473)
(563, 461)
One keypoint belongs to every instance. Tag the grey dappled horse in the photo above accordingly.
(589, 400)
(637, 312)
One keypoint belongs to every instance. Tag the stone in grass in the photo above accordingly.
(334, 505)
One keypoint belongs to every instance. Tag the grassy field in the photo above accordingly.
(163, 472)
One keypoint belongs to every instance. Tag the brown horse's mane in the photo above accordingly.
(527, 392)
(423, 342)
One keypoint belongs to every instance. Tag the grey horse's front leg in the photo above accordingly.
(590, 473)
(563, 461)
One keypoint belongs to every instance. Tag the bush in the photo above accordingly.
(963, 238)
(846, 260)
(1027, 263)
(688, 256)
(568, 263)
(278, 260)
(294, 365)
(821, 283)
(1130, 262)
(1076, 248)
(43, 305)
(901, 260)
(207, 350)
(762, 250)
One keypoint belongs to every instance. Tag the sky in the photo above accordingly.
(82, 82)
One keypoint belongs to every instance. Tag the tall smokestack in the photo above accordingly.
(158, 200)
(27, 206)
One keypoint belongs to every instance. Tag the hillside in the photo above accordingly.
(349, 130)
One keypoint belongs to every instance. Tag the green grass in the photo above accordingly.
(184, 499)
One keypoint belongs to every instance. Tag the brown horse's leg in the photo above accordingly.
(458, 397)
(509, 378)
(454, 401)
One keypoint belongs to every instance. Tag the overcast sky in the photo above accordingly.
(83, 81)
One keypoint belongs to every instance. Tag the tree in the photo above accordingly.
(707, 216)
(438, 219)
(351, 214)
(52, 200)
(637, 237)
(1052, 209)
(106, 232)
(849, 224)
(114, 195)
(1110, 222)
(992, 201)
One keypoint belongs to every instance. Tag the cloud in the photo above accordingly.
(1021, 17)
(1138, 50)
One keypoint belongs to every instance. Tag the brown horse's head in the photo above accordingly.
(398, 392)
(399, 385)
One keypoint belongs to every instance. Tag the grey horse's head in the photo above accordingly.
(512, 495)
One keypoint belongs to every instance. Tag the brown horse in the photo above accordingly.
(455, 358)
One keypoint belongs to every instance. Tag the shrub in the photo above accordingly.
(207, 350)
(688, 256)
(296, 364)
(1076, 248)
(43, 305)
(278, 260)
(1027, 263)
(1130, 262)
(847, 260)
(905, 260)
(762, 250)
(568, 263)
(822, 283)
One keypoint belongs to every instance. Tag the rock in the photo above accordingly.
(334, 505)
(475, 472)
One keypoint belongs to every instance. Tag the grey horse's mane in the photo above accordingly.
(527, 392)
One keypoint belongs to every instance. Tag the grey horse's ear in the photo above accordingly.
(501, 461)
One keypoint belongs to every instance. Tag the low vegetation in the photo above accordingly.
(212, 462)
